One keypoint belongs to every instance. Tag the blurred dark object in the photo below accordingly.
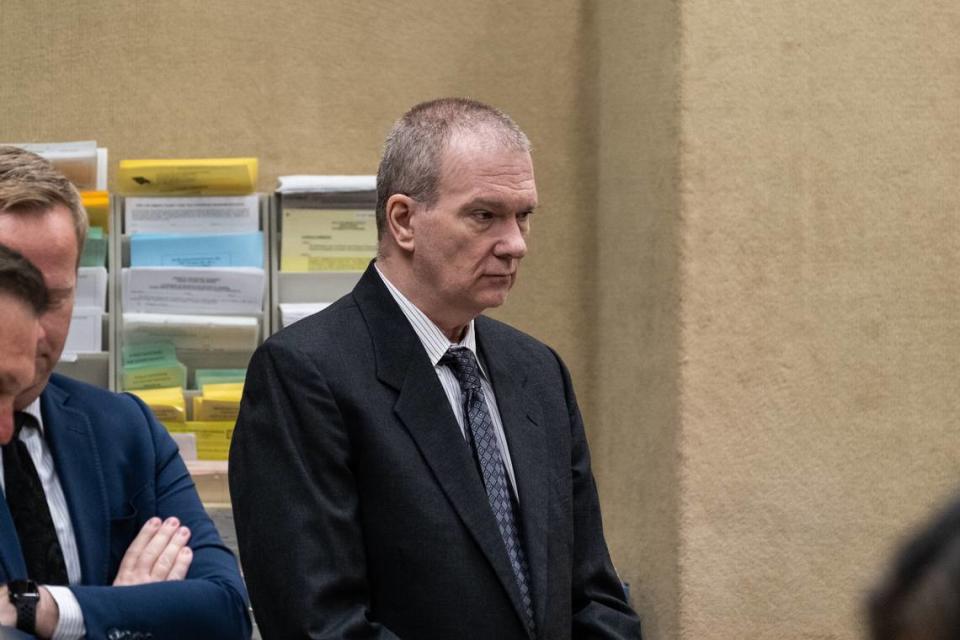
(920, 596)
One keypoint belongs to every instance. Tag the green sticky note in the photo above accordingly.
(219, 376)
(152, 353)
(94, 252)
(154, 377)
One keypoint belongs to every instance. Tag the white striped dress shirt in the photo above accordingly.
(435, 343)
(70, 625)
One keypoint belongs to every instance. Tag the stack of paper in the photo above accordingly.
(197, 250)
(167, 404)
(326, 184)
(86, 325)
(291, 312)
(211, 439)
(220, 401)
(97, 205)
(86, 331)
(91, 287)
(152, 366)
(327, 239)
(211, 214)
(83, 163)
(188, 177)
(94, 248)
(327, 192)
(196, 282)
(192, 332)
(218, 376)
(193, 290)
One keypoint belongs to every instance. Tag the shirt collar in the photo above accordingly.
(34, 410)
(431, 336)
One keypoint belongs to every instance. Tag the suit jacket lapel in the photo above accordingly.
(424, 410)
(523, 426)
(78, 466)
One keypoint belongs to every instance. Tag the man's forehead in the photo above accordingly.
(52, 246)
(464, 160)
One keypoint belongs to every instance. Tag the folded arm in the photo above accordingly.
(176, 579)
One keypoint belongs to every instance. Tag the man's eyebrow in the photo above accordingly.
(493, 204)
(59, 293)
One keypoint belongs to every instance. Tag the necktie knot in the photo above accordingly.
(464, 366)
(22, 419)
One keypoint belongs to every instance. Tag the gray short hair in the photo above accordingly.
(29, 183)
(415, 146)
(20, 279)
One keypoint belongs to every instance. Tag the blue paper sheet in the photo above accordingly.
(214, 250)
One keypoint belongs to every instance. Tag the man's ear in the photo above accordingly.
(400, 210)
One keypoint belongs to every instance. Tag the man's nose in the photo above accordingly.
(513, 243)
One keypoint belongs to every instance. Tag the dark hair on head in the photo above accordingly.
(415, 146)
(23, 281)
(920, 597)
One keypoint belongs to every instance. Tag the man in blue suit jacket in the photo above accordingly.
(142, 559)
(385, 491)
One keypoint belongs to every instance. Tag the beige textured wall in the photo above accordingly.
(634, 440)
(821, 334)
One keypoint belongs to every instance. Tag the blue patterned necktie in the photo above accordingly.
(31, 514)
(464, 366)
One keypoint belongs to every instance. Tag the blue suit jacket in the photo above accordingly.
(119, 467)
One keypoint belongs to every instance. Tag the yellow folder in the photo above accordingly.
(197, 176)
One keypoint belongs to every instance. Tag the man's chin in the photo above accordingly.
(31, 393)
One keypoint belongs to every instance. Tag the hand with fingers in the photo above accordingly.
(158, 553)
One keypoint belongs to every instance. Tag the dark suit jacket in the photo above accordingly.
(359, 510)
(119, 467)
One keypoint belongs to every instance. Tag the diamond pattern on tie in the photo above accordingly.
(31, 514)
(464, 366)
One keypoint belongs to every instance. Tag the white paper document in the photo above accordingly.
(92, 287)
(196, 332)
(211, 214)
(78, 161)
(220, 291)
(86, 331)
(187, 442)
(326, 184)
(291, 312)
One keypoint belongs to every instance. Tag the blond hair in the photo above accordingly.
(30, 184)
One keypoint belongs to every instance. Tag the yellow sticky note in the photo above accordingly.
(166, 403)
(223, 390)
(213, 437)
(215, 409)
(198, 176)
(97, 204)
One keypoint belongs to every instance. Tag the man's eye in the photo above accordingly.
(483, 216)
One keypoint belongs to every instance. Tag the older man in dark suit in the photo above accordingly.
(405, 467)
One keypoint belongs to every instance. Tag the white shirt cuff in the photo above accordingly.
(70, 625)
